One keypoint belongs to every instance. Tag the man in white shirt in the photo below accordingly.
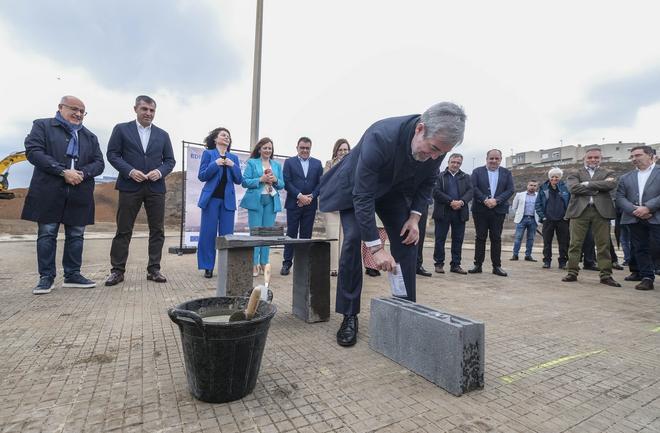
(638, 196)
(525, 219)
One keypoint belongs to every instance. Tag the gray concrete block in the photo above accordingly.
(445, 349)
(234, 271)
(311, 282)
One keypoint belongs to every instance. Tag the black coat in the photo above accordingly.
(50, 199)
(481, 190)
(441, 207)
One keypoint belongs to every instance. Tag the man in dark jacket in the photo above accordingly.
(66, 158)
(142, 154)
(551, 203)
(391, 172)
(452, 193)
(493, 187)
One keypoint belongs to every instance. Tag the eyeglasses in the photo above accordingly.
(76, 109)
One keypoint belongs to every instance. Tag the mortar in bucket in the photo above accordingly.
(222, 358)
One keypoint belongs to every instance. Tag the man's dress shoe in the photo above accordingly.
(347, 334)
(633, 277)
(645, 284)
(285, 269)
(457, 270)
(423, 272)
(497, 270)
(475, 270)
(156, 277)
(609, 281)
(530, 259)
(569, 278)
(114, 278)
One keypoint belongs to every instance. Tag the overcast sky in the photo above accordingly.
(529, 74)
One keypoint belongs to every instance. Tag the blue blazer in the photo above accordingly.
(125, 153)
(297, 183)
(253, 171)
(481, 190)
(379, 164)
(211, 173)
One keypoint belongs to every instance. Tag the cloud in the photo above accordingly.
(126, 45)
(617, 102)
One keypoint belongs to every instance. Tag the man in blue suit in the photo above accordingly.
(390, 172)
(302, 175)
(142, 154)
(492, 187)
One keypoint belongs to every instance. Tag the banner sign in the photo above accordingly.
(193, 214)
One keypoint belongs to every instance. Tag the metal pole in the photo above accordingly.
(256, 77)
(183, 194)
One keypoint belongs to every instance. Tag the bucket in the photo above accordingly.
(222, 359)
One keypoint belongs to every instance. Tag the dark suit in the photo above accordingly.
(300, 220)
(590, 205)
(125, 153)
(378, 176)
(446, 217)
(489, 222)
(645, 234)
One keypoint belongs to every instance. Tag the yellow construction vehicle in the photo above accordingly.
(5, 163)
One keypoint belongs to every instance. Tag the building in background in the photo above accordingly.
(571, 154)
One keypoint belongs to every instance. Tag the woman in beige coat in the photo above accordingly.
(332, 223)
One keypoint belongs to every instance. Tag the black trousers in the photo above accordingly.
(422, 234)
(550, 228)
(488, 225)
(129, 206)
(393, 212)
(299, 225)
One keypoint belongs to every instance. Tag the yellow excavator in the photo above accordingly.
(5, 163)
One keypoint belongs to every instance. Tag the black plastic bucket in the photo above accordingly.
(222, 359)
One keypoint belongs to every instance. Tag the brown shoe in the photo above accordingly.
(569, 278)
(156, 277)
(645, 284)
(439, 269)
(609, 281)
(458, 270)
(114, 278)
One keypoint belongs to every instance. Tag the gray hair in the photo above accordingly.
(555, 171)
(146, 99)
(445, 119)
(455, 155)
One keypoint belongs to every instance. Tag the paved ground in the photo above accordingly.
(559, 357)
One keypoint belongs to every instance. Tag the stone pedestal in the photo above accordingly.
(445, 349)
(234, 271)
(311, 282)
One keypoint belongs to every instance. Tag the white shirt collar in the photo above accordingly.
(649, 168)
(144, 128)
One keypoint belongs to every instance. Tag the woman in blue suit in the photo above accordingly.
(263, 179)
(220, 170)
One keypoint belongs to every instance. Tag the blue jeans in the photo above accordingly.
(47, 247)
(262, 217)
(527, 223)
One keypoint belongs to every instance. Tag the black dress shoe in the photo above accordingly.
(114, 278)
(514, 258)
(617, 266)
(569, 278)
(457, 270)
(286, 268)
(156, 277)
(645, 284)
(609, 281)
(423, 272)
(591, 268)
(497, 270)
(476, 269)
(530, 259)
(546, 265)
(633, 277)
(562, 266)
(347, 334)
(208, 273)
(372, 272)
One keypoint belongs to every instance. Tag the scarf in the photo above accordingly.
(72, 150)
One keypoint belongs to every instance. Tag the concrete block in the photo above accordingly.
(445, 349)
(234, 271)
(311, 282)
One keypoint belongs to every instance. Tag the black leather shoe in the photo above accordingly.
(546, 265)
(569, 278)
(457, 270)
(530, 259)
(475, 270)
(617, 266)
(114, 279)
(423, 272)
(514, 258)
(562, 266)
(372, 272)
(633, 277)
(645, 284)
(591, 268)
(208, 273)
(497, 270)
(286, 268)
(609, 281)
(347, 334)
(156, 277)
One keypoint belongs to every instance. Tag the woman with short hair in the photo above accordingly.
(551, 203)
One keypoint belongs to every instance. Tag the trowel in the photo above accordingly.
(248, 314)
